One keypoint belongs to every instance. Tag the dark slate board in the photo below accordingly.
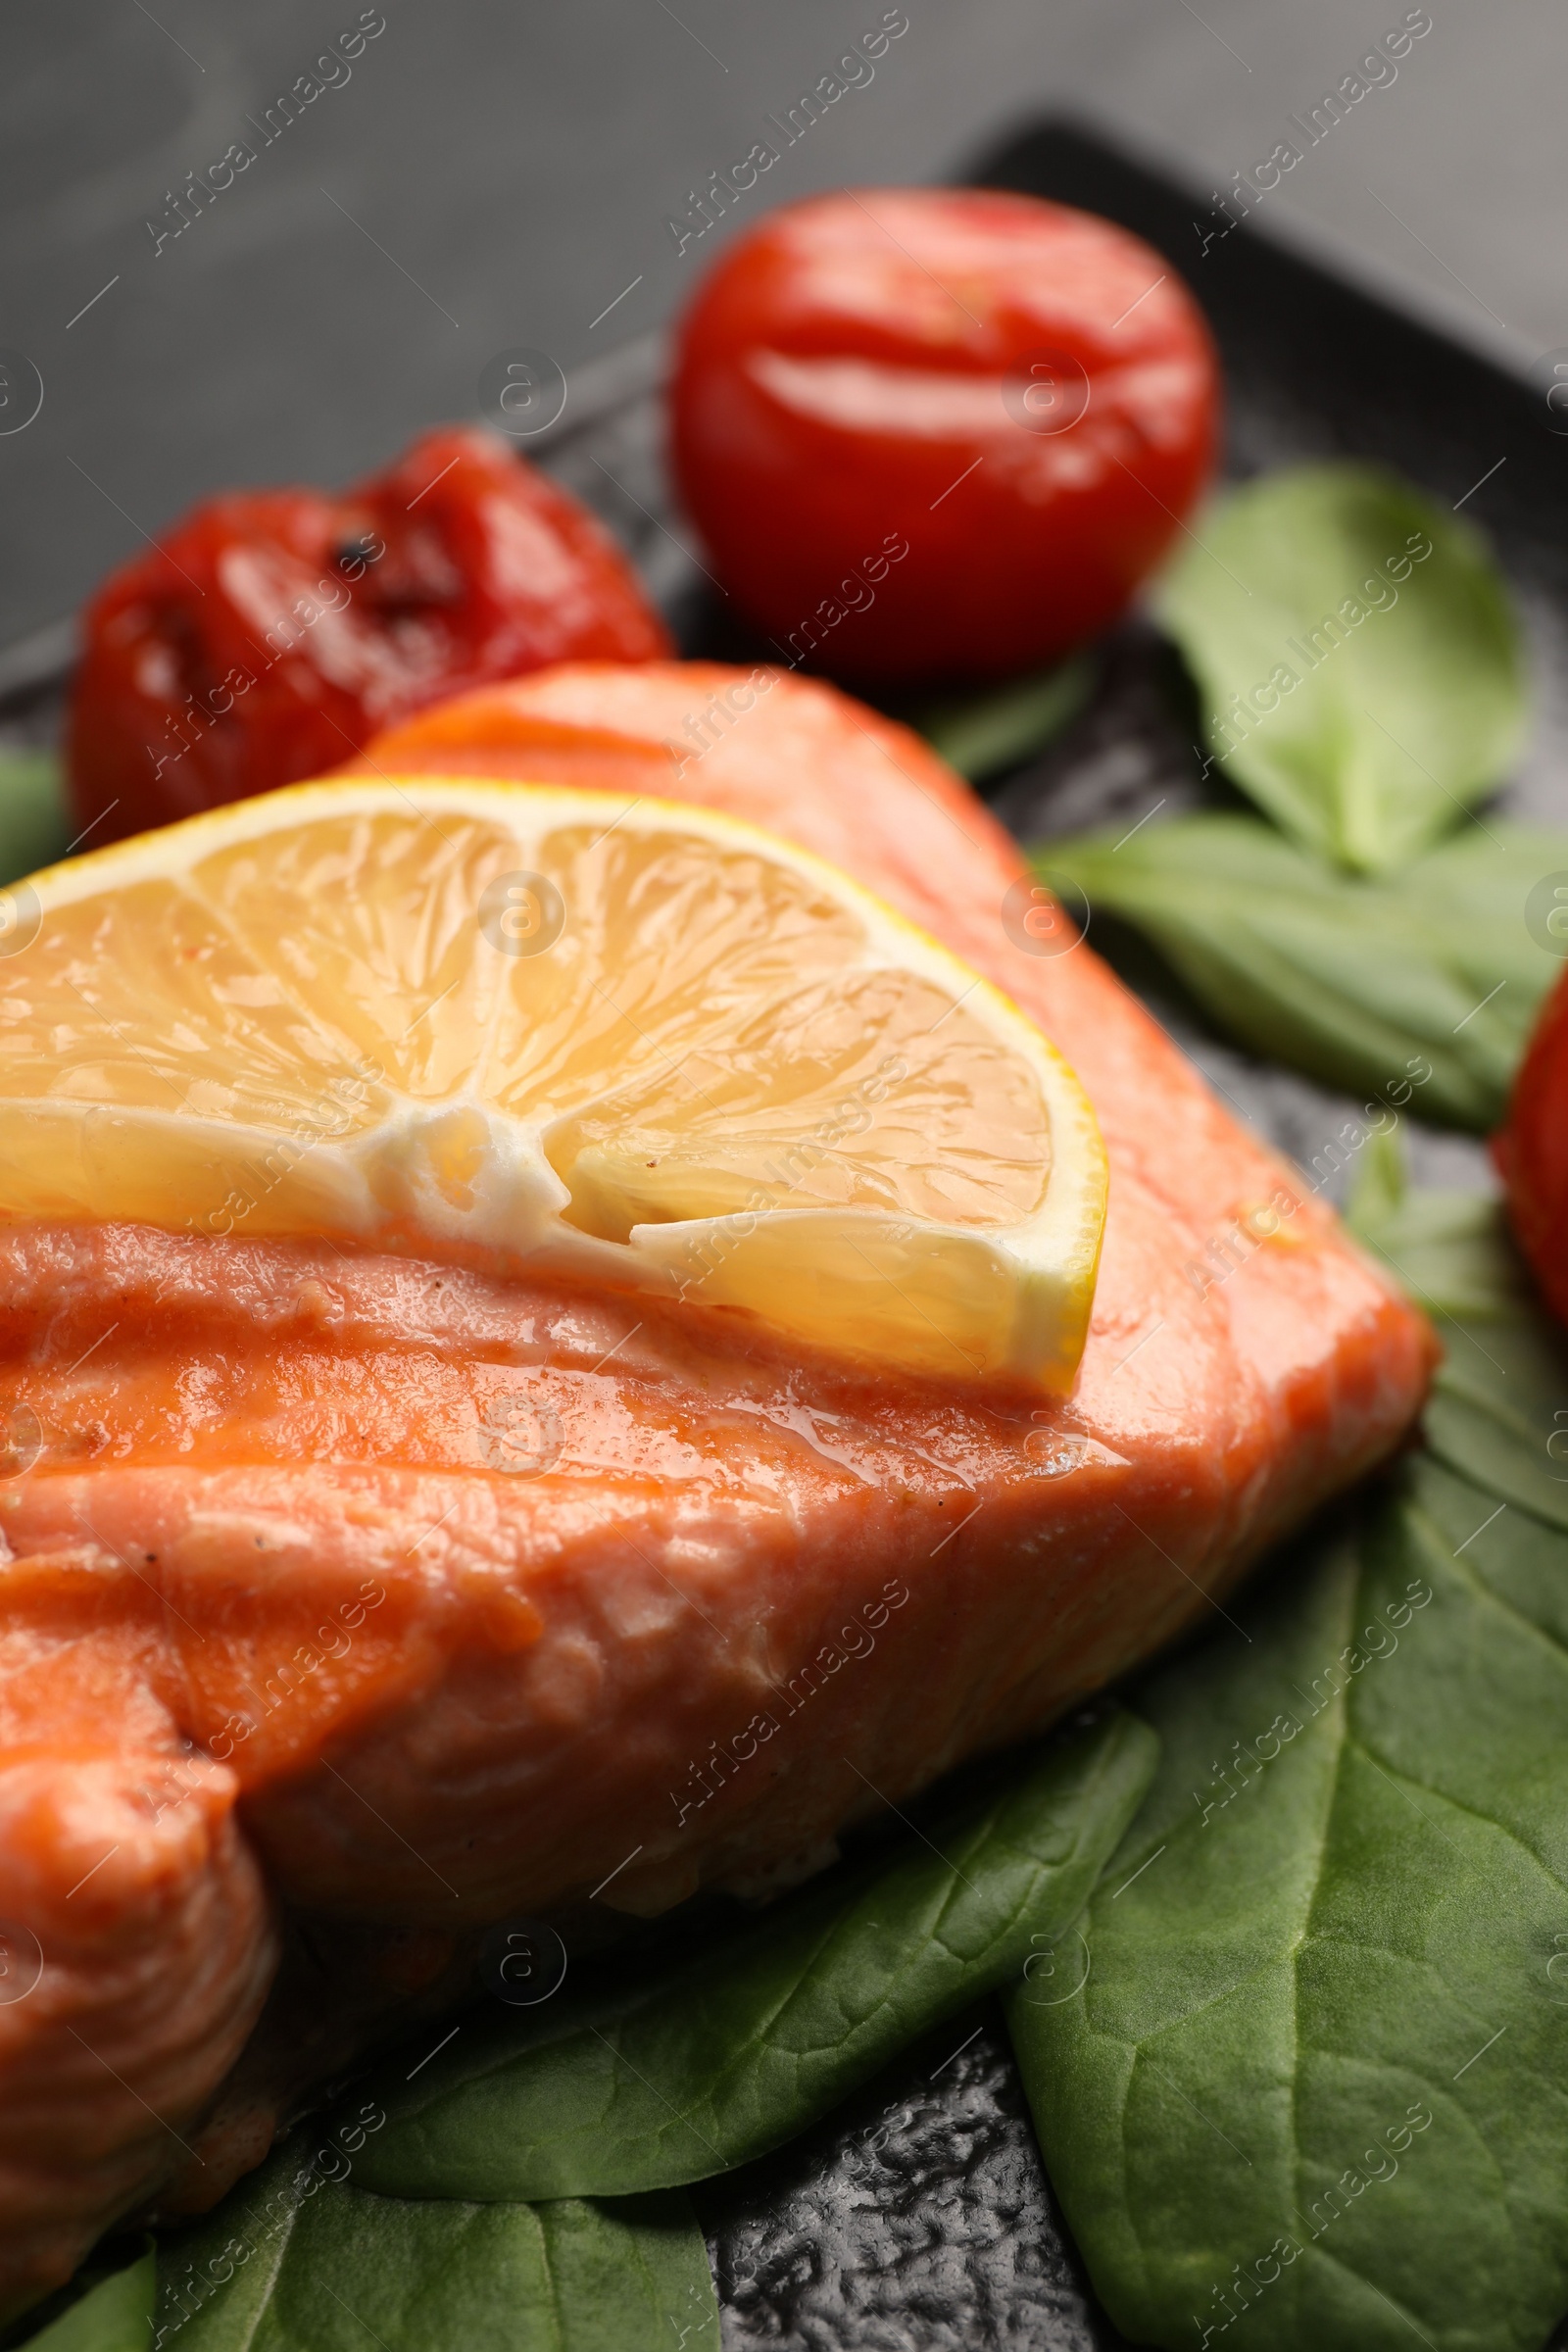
(918, 2218)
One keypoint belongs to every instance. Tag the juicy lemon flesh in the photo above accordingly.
(509, 1023)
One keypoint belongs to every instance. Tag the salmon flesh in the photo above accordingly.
(353, 1603)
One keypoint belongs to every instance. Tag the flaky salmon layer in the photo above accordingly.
(346, 1586)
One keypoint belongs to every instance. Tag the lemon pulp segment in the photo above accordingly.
(510, 1023)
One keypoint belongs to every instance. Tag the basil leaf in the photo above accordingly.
(1311, 2094)
(724, 2055)
(293, 2261)
(35, 826)
(113, 2316)
(1364, 692)
(1361, 984)
(980, 734)
(1380, 1190)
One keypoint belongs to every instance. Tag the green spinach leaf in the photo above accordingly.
(706, 2064)
(114, 2315)
(1452, 1251)
(1355, 982)
(1311, 2096)
(1498, 1410)
(295, 2261)
(1498, 1413)
(1357, 659)
(36, 827)
(980, 734)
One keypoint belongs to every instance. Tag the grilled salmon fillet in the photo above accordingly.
(302, 1640)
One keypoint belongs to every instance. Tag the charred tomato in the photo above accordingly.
(270, 633)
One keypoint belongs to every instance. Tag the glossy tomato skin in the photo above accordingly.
(880, 430)
(270, 633)
(1532, 1151)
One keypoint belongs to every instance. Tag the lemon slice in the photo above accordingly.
(497, 1023)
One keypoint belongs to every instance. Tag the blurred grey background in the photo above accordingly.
(484, 177)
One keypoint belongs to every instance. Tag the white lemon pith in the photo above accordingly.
(512, 1024)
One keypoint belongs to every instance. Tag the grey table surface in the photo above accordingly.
(484, 176)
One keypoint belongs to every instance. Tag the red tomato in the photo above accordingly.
(931, 431)
(1532, 1151)
(272, 632)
